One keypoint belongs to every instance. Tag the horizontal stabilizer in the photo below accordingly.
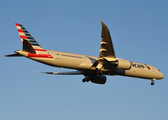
(63, 73)
(14, 55)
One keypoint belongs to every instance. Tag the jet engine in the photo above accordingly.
(123, 64)
(99, 79)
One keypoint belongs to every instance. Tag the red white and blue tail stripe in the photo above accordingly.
(25, 35)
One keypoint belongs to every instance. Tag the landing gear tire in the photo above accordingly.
(152, 83)
(86, 79)
(83, 80)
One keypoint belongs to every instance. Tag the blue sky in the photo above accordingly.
(139, 31)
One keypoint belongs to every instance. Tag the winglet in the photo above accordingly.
(106, 45)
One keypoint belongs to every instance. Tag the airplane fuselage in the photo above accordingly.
(85, 62)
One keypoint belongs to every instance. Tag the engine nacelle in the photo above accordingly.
(99, 79)
(124, 64)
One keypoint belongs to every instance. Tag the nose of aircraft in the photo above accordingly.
(160, 76)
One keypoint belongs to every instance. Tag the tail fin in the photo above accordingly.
(24, 34)
(25, 38)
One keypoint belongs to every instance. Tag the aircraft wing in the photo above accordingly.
(64, 73)
(106, 53)
(106, 45)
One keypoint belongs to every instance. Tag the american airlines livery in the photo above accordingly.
(93, 68)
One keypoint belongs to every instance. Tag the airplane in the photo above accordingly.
(93, 68)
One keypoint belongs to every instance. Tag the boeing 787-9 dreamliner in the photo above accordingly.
(93, 68)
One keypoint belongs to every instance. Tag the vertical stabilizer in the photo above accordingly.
(27, 38)
(24, 34)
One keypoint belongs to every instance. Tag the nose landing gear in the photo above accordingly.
(152, 83)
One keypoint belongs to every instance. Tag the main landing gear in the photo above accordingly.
(86, 79)
(152, 83)
(90, 77)
(98, 71)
